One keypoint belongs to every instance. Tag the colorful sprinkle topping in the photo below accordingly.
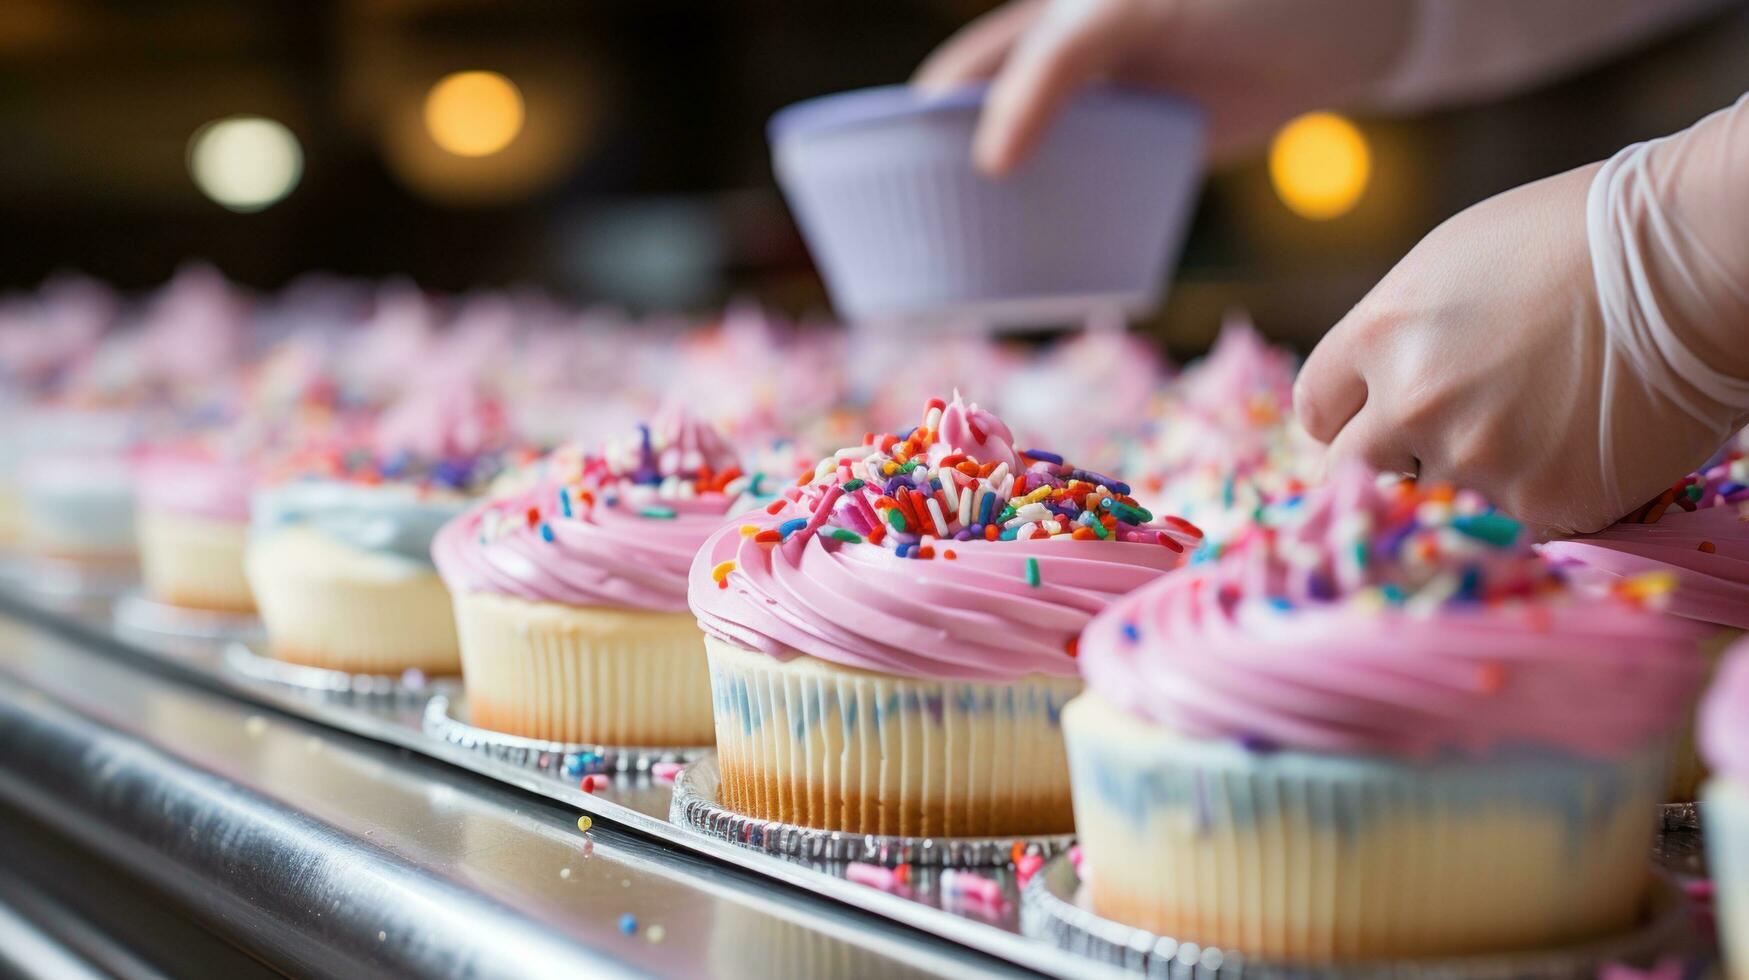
(1380, 544)
(1725, 482)
(906, 491)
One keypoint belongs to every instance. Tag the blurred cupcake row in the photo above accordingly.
(1298, 710)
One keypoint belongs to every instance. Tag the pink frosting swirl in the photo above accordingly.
(615, 528)
(196, 484)
(1723, 730)
(1371, 622)
(1706, 548)
(975, 617)
(943, 554)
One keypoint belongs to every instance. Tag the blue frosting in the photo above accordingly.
(386, 519)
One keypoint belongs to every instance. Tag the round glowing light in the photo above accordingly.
(474, 113)
(245, 163)
(1320, 165)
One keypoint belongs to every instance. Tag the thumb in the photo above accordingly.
(1330, 390)
(1065, 48)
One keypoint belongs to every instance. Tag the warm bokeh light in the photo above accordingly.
(1320, 165)
(245, 163)
(474, 113)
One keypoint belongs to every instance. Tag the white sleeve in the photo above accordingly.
(1463, 51)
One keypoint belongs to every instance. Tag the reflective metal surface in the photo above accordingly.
(325, 854)
(1054, 911)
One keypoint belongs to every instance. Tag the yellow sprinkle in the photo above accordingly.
(748, 530)
(1650, 584)
(584, 823)
(722, 570)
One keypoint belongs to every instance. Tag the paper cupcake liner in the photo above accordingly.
(698, 805)
(1298, 856)
(195, 562)
(411, 686)
(447, 718)
(902, 224)
(1054, 909)
(1726, 818)
(620, 676)
(319, 616)
(808, 743)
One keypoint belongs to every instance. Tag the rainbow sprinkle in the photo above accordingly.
(1724, 482)
(907, 491)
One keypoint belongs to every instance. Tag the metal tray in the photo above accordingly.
(935, 900)
(1053, 911)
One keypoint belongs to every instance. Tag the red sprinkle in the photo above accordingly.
(1491, 677)
(879, 532)
(991, 533)
(533, 516)
(949, 555)
(774, 506)
(1709, 547)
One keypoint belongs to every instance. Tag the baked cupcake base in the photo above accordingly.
(1725, 819)
(328, 604)
(811, 743)
(195, 562)
(583, 674)
(1310, 858)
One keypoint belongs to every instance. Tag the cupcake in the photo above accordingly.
(339, 556)
(570, 590)
(1724, 743)
(193, 526)
(1697, 532)
(1378, 727)
(1224, 441)
(892, 641)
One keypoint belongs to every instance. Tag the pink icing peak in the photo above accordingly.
(442, 422)
(1393, 619)
(968, 429)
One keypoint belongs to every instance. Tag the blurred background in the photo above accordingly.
(615, 152)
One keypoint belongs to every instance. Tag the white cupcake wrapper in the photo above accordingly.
(195, 562)
(804, 742)
(1726, 821)
(615, 676)
(319, 617)
(1304, 857)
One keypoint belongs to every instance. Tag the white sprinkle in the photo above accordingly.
(254, 726)
(565, 873)
(935, 514)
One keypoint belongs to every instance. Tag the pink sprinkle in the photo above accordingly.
(872, 875)
(665, 772)
(1028, 866)
(590, 784)
(971, 885)
(1075, 857)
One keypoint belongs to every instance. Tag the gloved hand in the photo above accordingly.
(1252, 64)
(1570, 348)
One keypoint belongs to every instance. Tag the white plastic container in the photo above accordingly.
(903, 227)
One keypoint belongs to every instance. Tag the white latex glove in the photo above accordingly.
(1254, 64)
(1570, 348)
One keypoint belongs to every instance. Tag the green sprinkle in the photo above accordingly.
(908, 467)
(852, 486)
(896, 519)
(845, 534)
(1360, 553)
(1032, 572)
(1695, 493)
(1495, 529)
(1099, 529)
(1392, 594)
(1006, 515)
(659, 513)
